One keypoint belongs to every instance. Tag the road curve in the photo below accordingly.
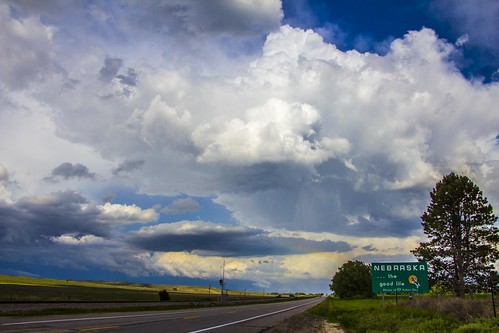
(242, 319)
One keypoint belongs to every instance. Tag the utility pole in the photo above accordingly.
(222, 283)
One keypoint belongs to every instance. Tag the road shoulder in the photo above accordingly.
(304, 323)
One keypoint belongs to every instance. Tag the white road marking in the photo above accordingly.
(248, 319)
(91, 318)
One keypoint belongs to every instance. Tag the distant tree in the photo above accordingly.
(462, 246)
(353, 279)
(164, 295)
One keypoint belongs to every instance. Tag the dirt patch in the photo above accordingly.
(304, 323)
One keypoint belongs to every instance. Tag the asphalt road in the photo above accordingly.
(241, 319)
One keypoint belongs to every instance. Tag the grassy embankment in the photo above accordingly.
(422, 314)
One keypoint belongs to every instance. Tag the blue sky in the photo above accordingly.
(151, 141)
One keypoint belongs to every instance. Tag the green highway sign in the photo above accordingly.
(399, 277)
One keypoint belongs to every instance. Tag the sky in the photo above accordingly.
(151, 141)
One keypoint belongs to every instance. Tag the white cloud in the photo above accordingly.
(69, 239)
(462, 40)
(275, 132)
(409, 117)
(126, 214)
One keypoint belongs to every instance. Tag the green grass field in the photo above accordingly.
(17, 288)
(368, 315)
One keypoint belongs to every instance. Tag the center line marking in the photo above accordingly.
(97, 328)
(192, 317)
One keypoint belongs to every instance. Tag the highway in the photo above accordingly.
(242, 319)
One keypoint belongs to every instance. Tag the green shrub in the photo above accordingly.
(480, 326)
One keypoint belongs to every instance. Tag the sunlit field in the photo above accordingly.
(15, 288)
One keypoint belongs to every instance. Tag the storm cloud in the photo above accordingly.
(205, 238)
(37, 219)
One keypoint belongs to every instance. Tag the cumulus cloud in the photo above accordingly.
(126, 214)
(58, 215)
(36, 219)
(399, 114)
(73, 239)
(276, 132)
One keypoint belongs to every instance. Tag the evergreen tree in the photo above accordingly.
(462, 246)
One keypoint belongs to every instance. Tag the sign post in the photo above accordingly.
(401, 277)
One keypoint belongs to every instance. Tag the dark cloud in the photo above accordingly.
(332, 204)
(182, 206)
(63, 230)
(46, 257)
(68, 171)
(110, 69)
(213, 17)
(4, 175)
(210, 239)
(36, 220)
(369, 248)
(130, 79)
(260, 177)
(127, 166)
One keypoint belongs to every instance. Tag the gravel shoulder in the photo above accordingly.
(304, 323)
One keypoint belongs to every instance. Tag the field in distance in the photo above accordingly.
(19, 288)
